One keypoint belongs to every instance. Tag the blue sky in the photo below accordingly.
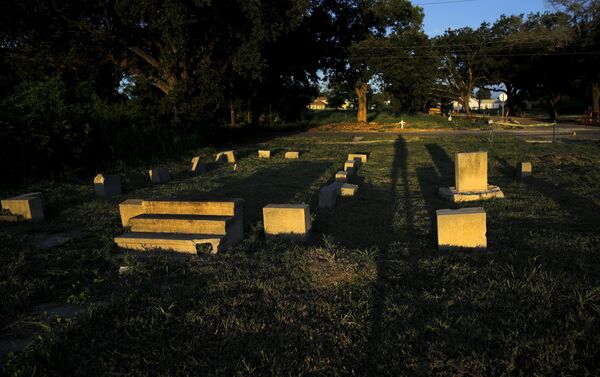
(439, 17)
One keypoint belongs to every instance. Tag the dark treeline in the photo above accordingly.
(85, 84)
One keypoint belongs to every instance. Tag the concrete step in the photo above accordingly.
(183, 243)
(182, 224)
(221, 207)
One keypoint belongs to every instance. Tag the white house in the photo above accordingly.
(486, 104)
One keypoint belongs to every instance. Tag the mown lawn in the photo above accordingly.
(389, 120)
(368, 295)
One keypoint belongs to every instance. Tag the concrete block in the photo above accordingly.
(524, 169)
(197, 167)
(358, 156)
(107, 186)
(287, 220)
(342, 176)
(264, 154)
(226, 156)
(182, 243)
(461, 228)
(450, 193)
(292, 155)
(27, 206)
(220, 207)
(10, 218)
(328, 196)
(352, 165)
(348, 189)
(471, 172)
(130, 208)
(185, 224)
(159, 175)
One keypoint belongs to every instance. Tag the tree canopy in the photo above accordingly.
(82, 82)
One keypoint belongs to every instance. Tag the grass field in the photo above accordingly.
(388, 119)
(368, 295)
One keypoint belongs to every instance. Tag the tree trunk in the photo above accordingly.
(466, 99)
(361, 94)
(596, 98)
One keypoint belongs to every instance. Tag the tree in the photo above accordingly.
(356, 23)
(405, 64)
(585, 19)
(465, 63)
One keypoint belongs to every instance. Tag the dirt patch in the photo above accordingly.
(368, 127)
(327, 271)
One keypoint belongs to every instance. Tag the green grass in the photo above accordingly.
(368, 295)
(413, 120)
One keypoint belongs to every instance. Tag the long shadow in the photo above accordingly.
(443, 163)
(583, 210)
(431, 180)
(282, 184)
(398, 175)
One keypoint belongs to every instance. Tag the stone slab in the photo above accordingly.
(342, 176)
(360, 156)
(264, 154)
(287, 220)
(197, 167)
(107, 186)
(11, 218)
(351, 165)
(182, 243)
(471, 172)
(450, 193)
(292, 155)
(328, 196)
(27, 206)
(225, 156)
(461, 228)
(130, 208)
(185, 224)
(209, 207)
(524, 169)
(159, 175)
(348, 189)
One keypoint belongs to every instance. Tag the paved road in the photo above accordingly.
(571, 132)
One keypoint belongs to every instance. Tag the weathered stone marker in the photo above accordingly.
(328, 196)
(24, 207)
(264, 154)
(471, 179)
(351, 165)
(181, 225)
(524, 169)
(348, 189)
(159, 175)
(226, 156)
(292, 155)
(345, 189)
(287, 220)
(197, 167)
(471, 172)
(360, 156)
(461, 228)
(342, 176)
(130, 208)
(107, 186)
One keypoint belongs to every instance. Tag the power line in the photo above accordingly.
(445, 2)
